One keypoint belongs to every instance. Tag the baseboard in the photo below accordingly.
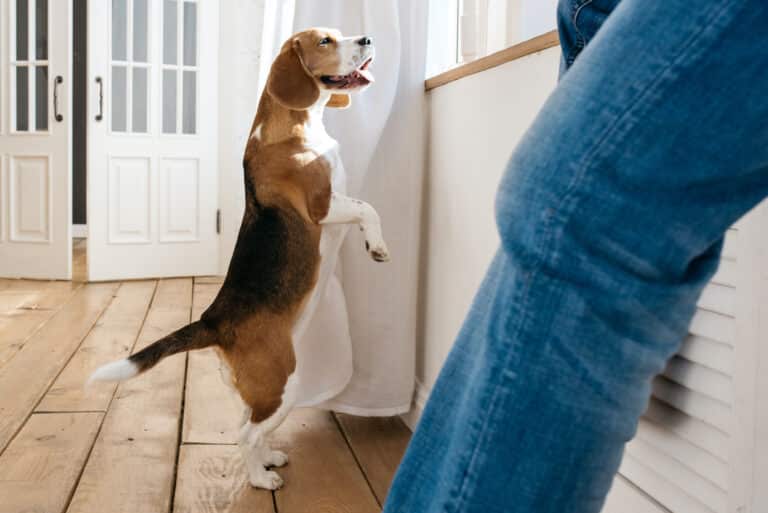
(420, 396)
(80, 231)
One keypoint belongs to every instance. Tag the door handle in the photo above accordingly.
(58, 80)
(100, 115)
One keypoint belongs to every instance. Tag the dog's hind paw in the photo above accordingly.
(276, 459)
(267, 480)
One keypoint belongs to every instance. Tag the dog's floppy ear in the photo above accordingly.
(289, 81)
(339, 101)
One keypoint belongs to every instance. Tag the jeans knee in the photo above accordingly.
(524, 210)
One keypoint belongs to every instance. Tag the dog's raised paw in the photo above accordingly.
(267, 480)
(276, 459)
(379, 253)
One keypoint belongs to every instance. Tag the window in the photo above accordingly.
(29, 66)
(180, 61)
(130, 66)
(461, 31)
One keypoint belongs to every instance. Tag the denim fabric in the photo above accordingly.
(611, 215)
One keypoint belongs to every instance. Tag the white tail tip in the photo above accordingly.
(115, 371)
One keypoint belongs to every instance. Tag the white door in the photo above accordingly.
(35, 165)
(152, 138)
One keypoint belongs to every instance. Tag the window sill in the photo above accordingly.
(536, 44)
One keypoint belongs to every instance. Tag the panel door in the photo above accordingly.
(35, 144)
(152, 178)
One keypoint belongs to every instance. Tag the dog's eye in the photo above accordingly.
(325, 41)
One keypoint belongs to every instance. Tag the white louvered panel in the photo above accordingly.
(680, 456)
(660, 477)
(707, 352)
(698, 378)
(730, 248)
(718, 298)
(727, 273)
(694, 458)
(713, 325)
(627, 498)
(695, 431)
(705, 408)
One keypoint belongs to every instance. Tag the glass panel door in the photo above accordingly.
(35, 144)
(152, 173)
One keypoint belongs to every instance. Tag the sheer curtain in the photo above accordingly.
(357, 355)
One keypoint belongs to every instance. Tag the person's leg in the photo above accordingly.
(611, 215)
(577, 23)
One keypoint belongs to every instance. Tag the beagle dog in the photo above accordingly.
(289, 164)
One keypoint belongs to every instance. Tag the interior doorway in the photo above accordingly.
(79, 140)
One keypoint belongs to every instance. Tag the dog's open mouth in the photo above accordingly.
(358, 78)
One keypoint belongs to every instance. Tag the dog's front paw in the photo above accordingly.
(378, 251)
(276, 459)
(267, 480)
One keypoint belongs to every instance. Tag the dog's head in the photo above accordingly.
(320, 59)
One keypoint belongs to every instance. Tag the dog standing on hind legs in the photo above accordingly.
(289, 165)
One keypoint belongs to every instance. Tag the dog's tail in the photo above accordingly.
(192, 336)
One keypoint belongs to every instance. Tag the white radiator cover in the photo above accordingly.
(697, 448)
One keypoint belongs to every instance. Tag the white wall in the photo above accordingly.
(474, 125)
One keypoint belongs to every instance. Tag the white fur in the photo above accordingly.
(349, 210)
(314, 130)
(115, 371)
(351, 54)
(253, 441)
(257, 132)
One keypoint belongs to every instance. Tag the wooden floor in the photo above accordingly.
(163, 442)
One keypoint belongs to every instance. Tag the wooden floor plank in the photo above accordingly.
(41, 466)
(379, 444)
(212, 408)
(213, 479)
(26, 378)
(26, 306)
(131, 467)
(209, 279)
(111, 338)
(322, 474)
(79, 260)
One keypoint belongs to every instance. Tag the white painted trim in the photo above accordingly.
(79, 231)
(420, 395)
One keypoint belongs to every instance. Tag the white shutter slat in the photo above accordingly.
(694, 458)
(627, 498)
(718, 298)
(727, 273)
(731, 246)
(669, 482)
(690, 428)
(713, 325)
(707, 352)
(705, 408)
(699, 378)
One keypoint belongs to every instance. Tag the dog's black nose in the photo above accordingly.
(365, 41)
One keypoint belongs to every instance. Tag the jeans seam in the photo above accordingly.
(581, 40)
(550, 238)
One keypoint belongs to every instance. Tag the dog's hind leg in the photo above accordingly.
(253, 441)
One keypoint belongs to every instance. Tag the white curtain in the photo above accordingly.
(357, 354)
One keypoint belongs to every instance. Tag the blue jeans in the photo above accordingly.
(611, 215)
